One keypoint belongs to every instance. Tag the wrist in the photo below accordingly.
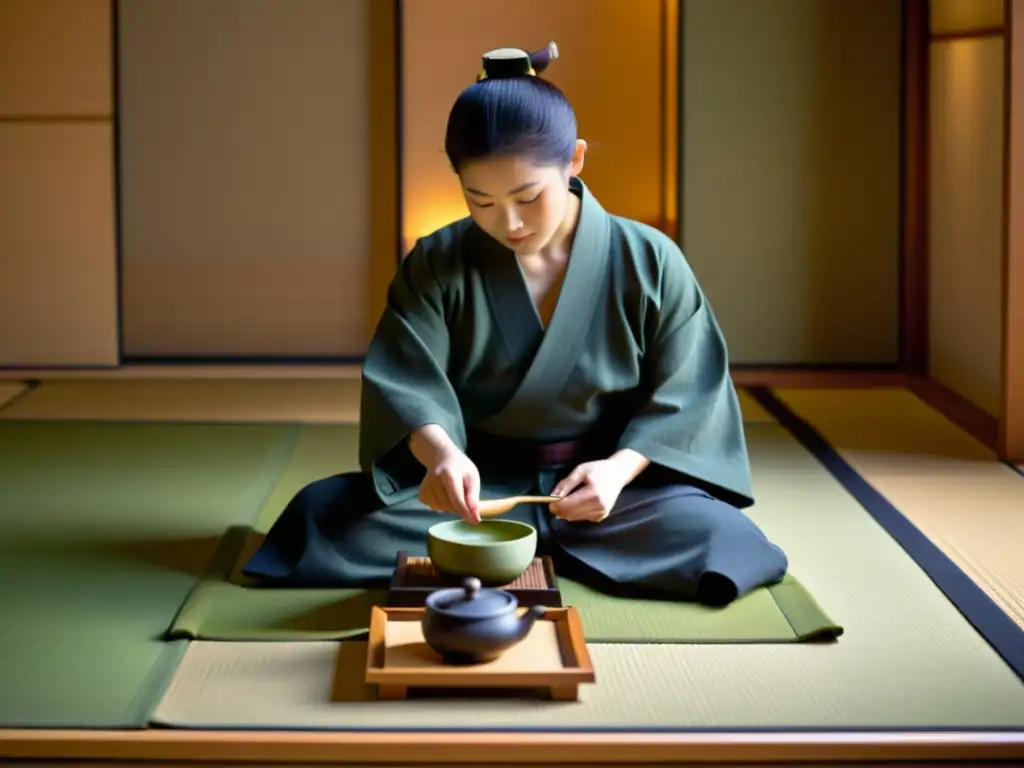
(629, 463)
(430, 444)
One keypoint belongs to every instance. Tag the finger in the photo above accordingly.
(471, 494)
(456, 493)
(429, 498)
(586, 513)
(575, 514)
(569, 482)
(566, 502)
(438, 500)
(574, 495)
(570, 505)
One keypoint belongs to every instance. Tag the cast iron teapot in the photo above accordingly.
(471, 625)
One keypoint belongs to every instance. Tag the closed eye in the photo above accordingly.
(521, 202)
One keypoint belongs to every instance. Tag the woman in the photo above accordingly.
(540, 345)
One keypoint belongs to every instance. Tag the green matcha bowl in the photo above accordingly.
(495, 551)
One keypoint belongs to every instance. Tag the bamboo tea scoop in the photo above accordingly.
(495, 507)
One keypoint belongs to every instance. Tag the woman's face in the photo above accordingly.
(517, 202)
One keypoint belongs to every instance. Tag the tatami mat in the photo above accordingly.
(908, 658)
(946, 483)
(105, 530)
(299, 401)
(9, 390)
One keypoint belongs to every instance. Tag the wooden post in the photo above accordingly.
(914, 247)
(1011, 423)
(385, 151)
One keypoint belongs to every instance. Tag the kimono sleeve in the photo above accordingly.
(405, 381)
(691, 424)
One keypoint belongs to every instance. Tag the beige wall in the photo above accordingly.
(966, 206)
(245, 177)
(610, 69)
(246, 167)
(791, 182)
(790, 188)
(57, 215)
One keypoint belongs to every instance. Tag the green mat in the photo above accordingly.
(106, 528)
(908, 660)
(224, 607)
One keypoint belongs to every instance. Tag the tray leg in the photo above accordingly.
(564, 692)
(392, 692)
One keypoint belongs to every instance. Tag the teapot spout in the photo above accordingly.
(526, 621)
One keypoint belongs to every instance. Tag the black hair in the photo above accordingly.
(512, 114)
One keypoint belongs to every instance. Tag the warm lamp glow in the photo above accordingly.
(424, 217)
(971, 83)
(630, 143)
(964, 65)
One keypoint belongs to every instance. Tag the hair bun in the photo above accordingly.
(517, 62)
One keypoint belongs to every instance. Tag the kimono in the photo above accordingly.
(632, 357)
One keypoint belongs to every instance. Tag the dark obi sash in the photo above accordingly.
(517, 454)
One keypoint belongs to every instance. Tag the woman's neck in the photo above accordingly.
(556, 251)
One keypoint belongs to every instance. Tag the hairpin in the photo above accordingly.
(516, 62)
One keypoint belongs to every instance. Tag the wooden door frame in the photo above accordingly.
(1003, 433)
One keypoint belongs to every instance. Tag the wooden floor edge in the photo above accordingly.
(175, 371)
(982, 426)
(791, 378)
(590, 748)
(742, 376)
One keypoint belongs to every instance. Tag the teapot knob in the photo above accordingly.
(472, 587)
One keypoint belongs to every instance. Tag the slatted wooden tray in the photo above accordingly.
(415, 578)
(552, 660)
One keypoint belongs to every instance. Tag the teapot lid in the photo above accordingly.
(471, 601)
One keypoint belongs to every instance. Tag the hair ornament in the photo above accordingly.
(517, 62)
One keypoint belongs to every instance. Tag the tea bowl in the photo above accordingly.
(494, 551)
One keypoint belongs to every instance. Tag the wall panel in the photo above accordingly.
(55, 58)
(245, 177)
(959, 16)
(791, 175)
(57, 236)
(58, 276)
(966, 218)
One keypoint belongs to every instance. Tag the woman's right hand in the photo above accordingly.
(452, 484)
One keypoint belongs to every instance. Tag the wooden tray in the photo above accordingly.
(415, 578)
(552, 660)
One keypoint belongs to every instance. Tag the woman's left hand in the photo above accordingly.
(590, 491)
